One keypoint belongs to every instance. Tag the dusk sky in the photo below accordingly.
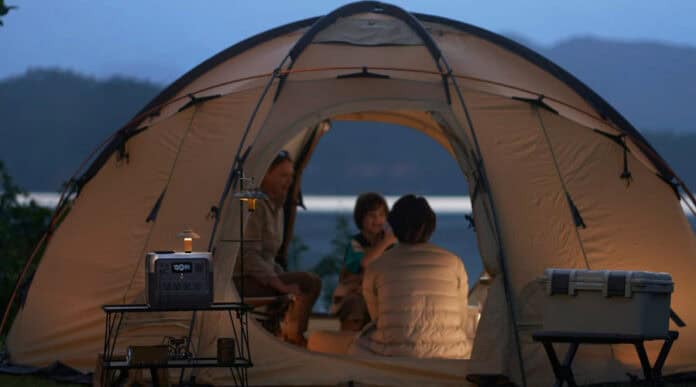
(161, 40)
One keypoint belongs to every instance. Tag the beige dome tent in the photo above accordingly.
(557, 178)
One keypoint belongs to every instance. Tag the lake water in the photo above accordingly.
(452, 232)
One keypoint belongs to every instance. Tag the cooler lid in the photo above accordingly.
(609, 282)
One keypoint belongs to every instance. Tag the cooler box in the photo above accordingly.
(603, 301)
(179, 280)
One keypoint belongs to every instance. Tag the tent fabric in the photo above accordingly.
(545, 185)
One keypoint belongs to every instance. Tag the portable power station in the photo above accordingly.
(179, 280)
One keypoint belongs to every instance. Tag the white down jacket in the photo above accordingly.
(417, 298)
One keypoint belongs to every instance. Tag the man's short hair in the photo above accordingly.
(368, 201)
(283, 155)
(412, 219)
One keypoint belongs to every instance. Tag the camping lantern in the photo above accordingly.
(249, 195)
(188, 236)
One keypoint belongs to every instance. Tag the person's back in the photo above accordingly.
(416, 292)
(418, 296)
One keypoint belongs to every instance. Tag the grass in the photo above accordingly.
(34, 381)
(640, 384)
(31, 381)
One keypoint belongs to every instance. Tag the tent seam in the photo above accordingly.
(542, 126)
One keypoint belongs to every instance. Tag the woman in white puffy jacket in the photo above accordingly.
(416, 292)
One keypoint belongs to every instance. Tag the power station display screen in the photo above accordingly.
(182, 267)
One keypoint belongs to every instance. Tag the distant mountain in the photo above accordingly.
(50, 120)
(678, 150)
(357, 157)
(652, 84)
(412, 162)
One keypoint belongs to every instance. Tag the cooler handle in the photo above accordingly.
(617, 284)
(675, 317)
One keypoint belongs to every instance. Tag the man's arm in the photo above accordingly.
(256, 264)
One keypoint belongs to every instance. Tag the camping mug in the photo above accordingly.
(225, 350)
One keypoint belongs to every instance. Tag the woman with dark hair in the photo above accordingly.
(375, 236)
(416, 292)
(370, 216)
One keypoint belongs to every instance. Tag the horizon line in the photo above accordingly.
(327, 204)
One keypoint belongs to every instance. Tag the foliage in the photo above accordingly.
(31, 381)
(5, 9)
(21, 227)
(296, 251)
(330, 265)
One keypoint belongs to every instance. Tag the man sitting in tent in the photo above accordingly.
(416, 292)
(262, 275)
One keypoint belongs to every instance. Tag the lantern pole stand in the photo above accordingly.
(241, 249)
(248, 193)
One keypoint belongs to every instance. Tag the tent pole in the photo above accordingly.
(690, 205)
(502, 258)
(688, 194)
(293, 200)
(360, 7)
(239, 160)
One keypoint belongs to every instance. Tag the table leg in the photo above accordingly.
(155, 377)
(561, 371)
(245, 377)
(644, 362)
(662, 357)
(567, 369)
(241, 338)
(239, 376)
(188, 346)
(113, 325)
